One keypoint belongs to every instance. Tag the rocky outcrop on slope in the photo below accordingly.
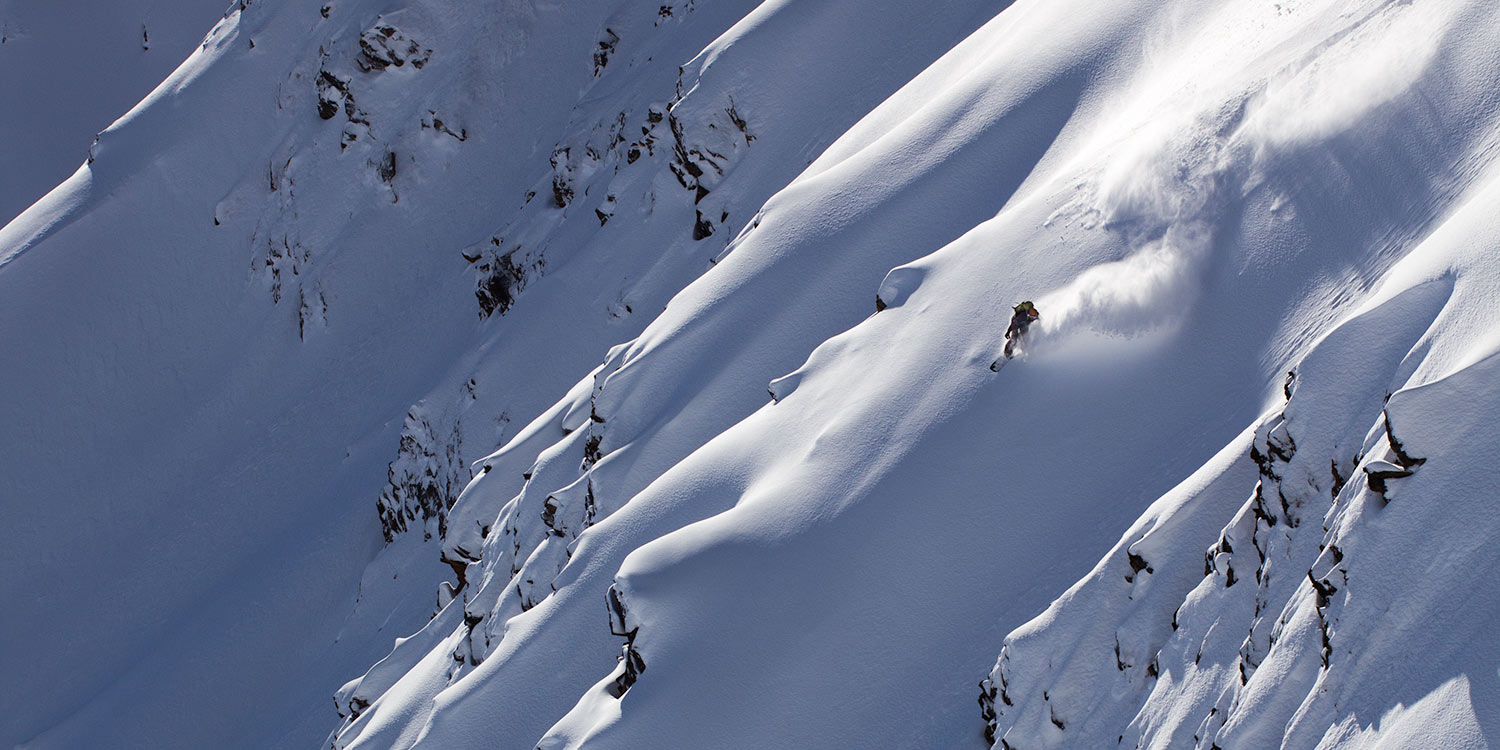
(1256, 644)
(426, 477)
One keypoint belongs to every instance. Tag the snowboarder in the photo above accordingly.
(1025, 314)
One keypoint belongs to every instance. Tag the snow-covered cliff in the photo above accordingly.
(628, 366)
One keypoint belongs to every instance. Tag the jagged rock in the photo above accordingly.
(501, 276)
(383, 45)
(1406, 460)
(1378, 472)
(632, 665)
(425, 478)
(386, 167)
(606, 48)
(1137, 564)
(702, 228)
(333, 95)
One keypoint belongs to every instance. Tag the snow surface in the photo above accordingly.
(68, 69)
(626, 367)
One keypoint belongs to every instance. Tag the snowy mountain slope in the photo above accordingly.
(235, 314)
(734, 601)
(668, 587)
(306, 287)
(67, 71)
(1356, 621)
(239, 264)
(1334, 607)
(583, 476)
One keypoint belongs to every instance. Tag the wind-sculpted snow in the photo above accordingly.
(1325, 609)
(303, 277)
(630, 422)
(1224, 201)
(292, 333)
(1351, 629)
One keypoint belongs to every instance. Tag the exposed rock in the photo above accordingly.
(425, 478)
(606, 47)
(333, 95)
(383, 46)
(501, 276)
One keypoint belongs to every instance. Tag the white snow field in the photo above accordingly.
(627, 366)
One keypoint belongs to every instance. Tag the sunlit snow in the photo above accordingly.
(589, 375)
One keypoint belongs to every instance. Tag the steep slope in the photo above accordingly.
(1336, 606)
(1331, 600)
(226, 315)
(825, 572)
(311, 245)
(343, 254)
(881, 555)
(66, 75)
(1336, 603)
(566, 466)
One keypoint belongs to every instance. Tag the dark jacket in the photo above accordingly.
(1025, 314)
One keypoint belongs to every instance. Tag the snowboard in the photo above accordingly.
(1011, 351)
